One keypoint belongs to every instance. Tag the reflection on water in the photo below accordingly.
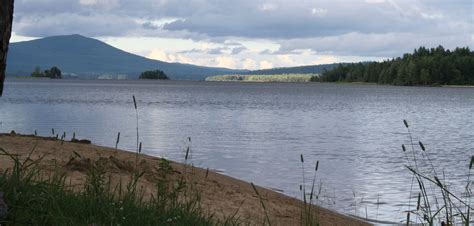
(256, 131)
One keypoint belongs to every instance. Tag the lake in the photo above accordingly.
(257, 131)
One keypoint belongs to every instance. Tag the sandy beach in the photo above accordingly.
(221, 195)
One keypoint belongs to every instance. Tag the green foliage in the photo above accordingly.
(156, 74)
(315, 78)
(53, 72)
(165, 165)
(37, 72)
(265, 78)
(435, 66)
(36, 196)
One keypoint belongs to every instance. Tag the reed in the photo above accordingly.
(188, 150)
(139, 144)
(267, 219)
(312, 220)
(452, 209)
(469, 191)
(137, 155)
(314, 181)
(136, 116)
(117, 141)
(307, 212)
(420, 183)
(304, 182)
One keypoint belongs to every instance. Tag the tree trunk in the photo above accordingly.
(6, 19)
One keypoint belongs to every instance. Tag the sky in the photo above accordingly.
(254, 34)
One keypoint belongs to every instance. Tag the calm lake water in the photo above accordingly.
(257, 131)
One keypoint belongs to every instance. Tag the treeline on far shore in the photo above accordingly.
(435, 66)
(264, 78)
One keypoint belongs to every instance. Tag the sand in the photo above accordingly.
(221, 195)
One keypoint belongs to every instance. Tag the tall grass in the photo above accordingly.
(267, 219)
(136, 115)
(308, 216)
(437, 202)
(117, 141)
(37, 196)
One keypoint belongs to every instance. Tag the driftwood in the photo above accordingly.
(6, 19)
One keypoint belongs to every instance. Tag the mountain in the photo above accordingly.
(89, 58)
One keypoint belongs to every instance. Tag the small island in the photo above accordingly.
(156, 74)
(53, 73)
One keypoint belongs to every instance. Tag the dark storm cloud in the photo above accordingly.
(303, 19)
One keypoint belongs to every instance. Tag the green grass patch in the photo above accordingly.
(36, 196)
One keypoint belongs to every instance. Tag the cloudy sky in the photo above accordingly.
(254, 34)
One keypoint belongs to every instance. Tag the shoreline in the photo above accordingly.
(232, 81)
(221, 195)
(458, 86)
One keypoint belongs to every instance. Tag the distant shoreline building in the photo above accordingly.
(112, 77)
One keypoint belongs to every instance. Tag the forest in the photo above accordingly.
(424, 67)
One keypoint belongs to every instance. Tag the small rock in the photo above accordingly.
(84, 141)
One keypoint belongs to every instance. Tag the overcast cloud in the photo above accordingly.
(303, 30)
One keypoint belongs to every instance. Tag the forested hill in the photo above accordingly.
(435, 66)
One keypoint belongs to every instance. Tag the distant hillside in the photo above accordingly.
(90, 58)
(311, 69)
